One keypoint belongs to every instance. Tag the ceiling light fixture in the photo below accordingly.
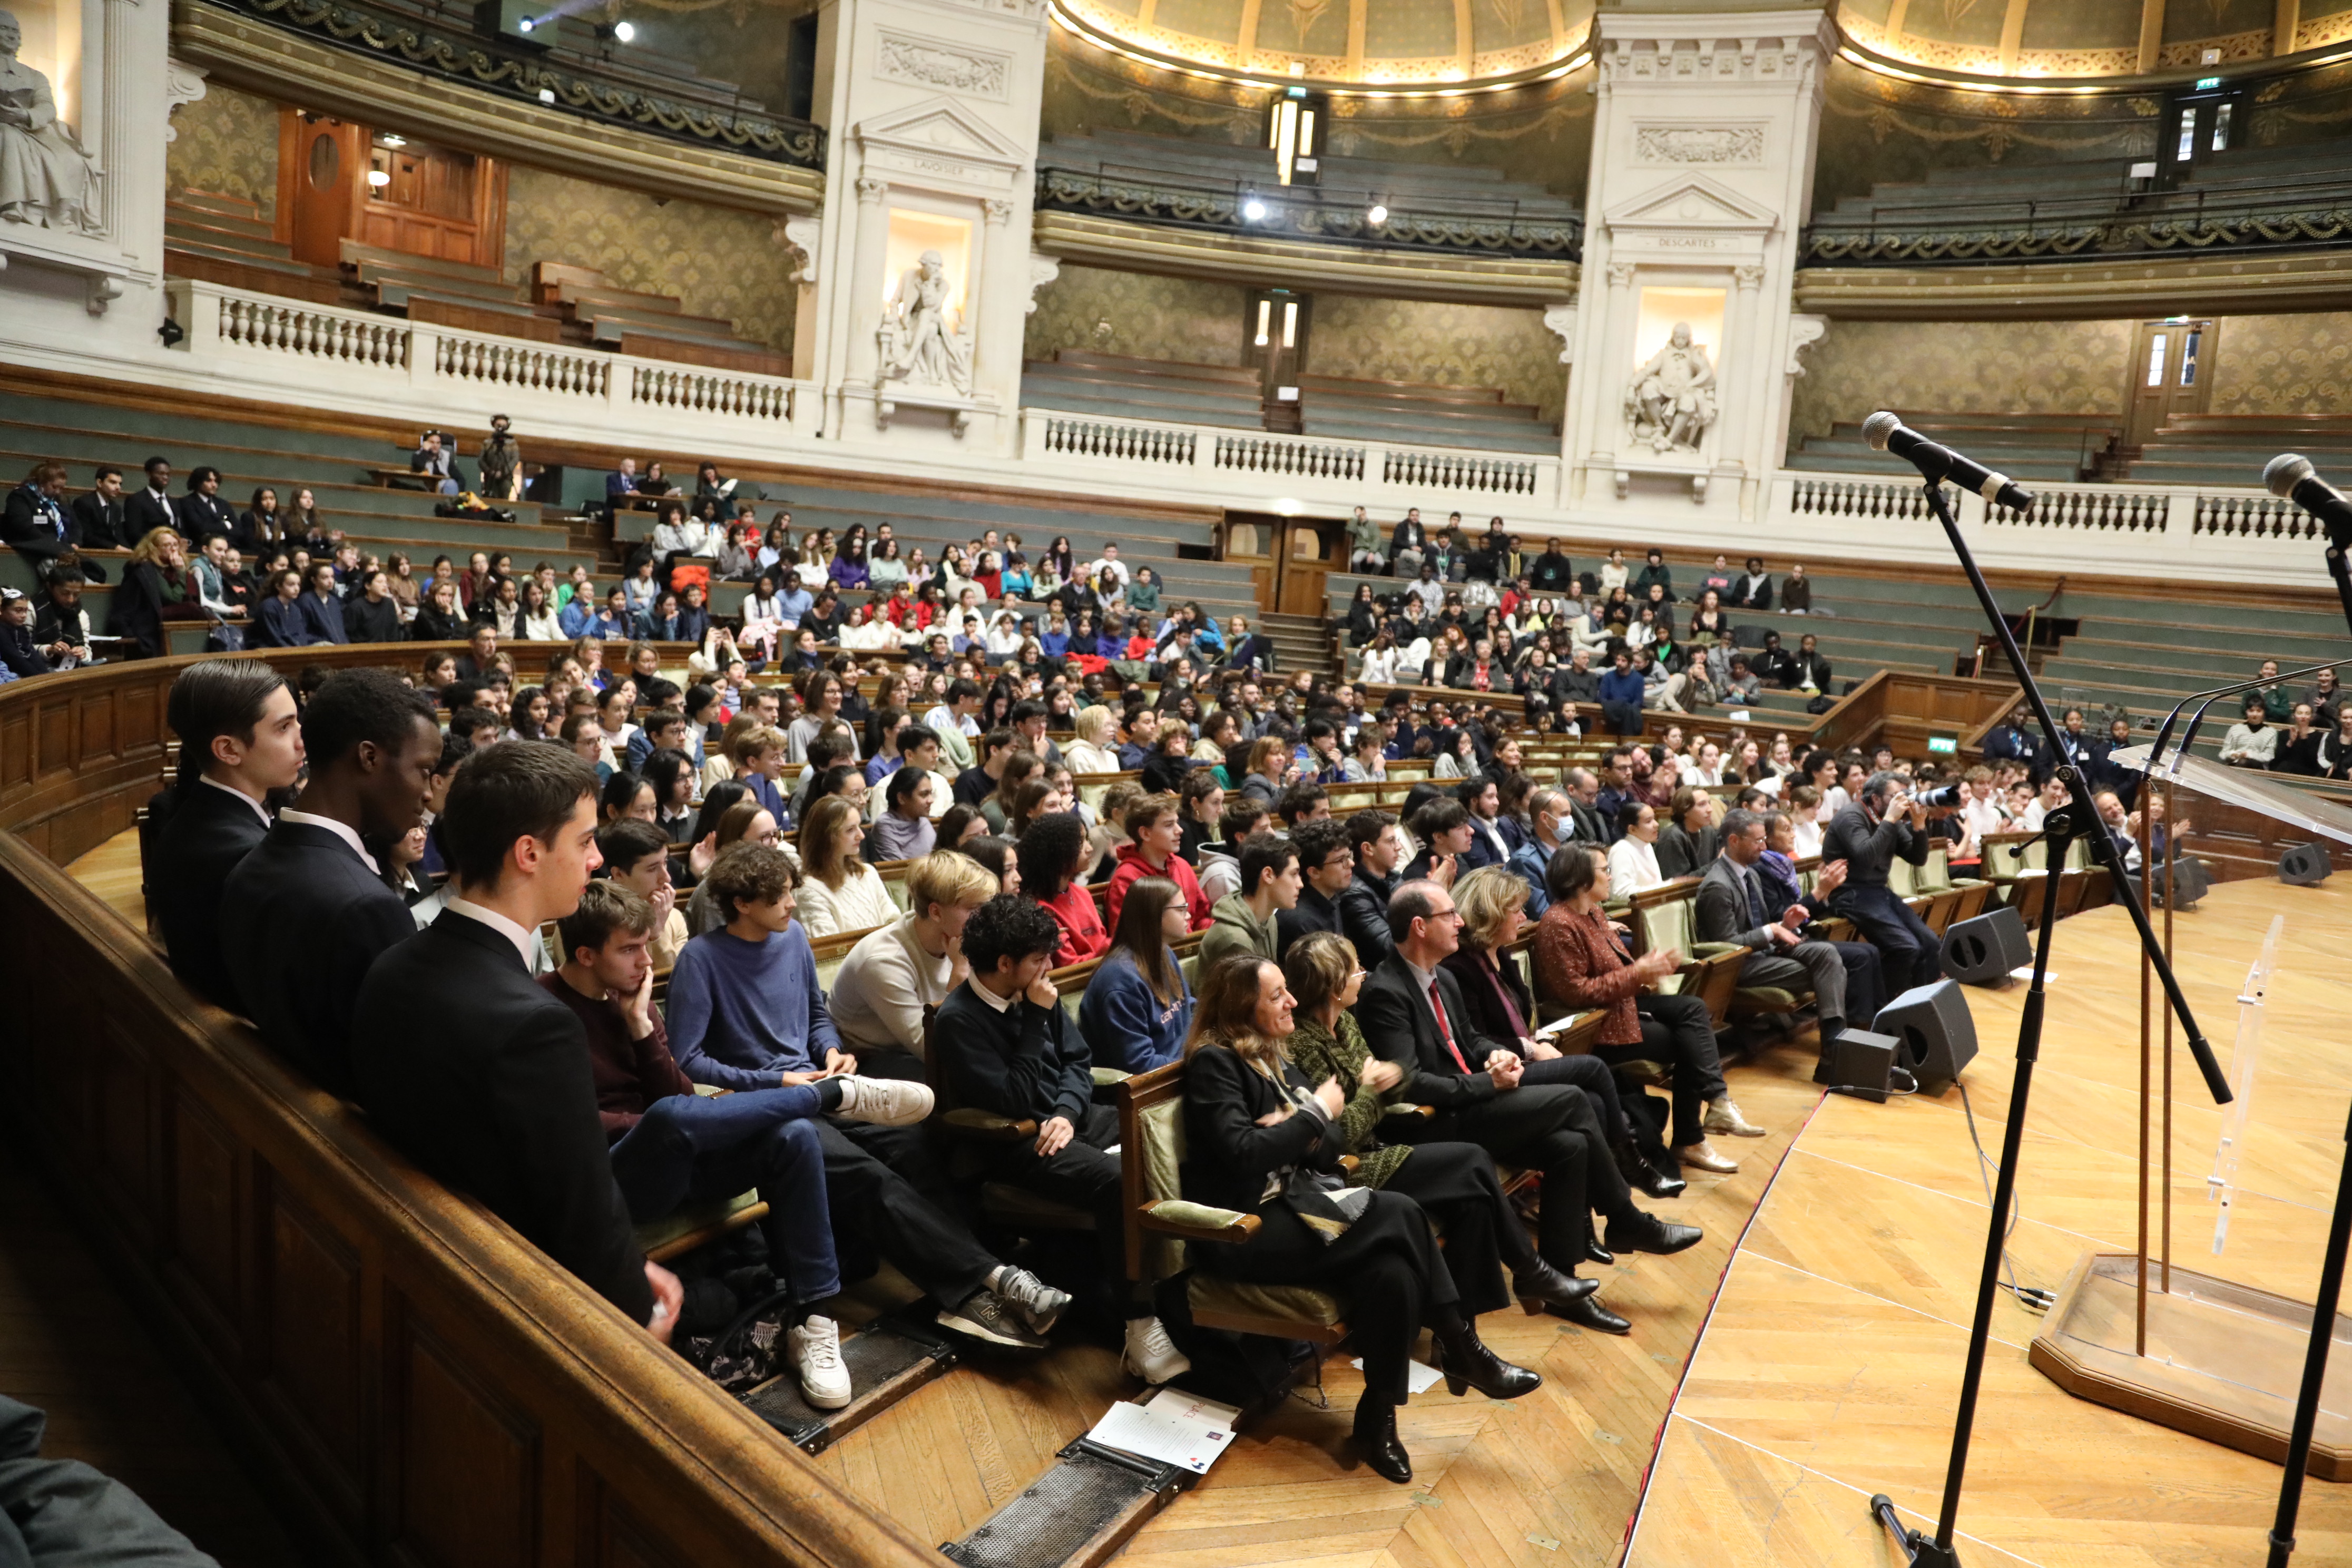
(1376, 214)
(526, 23)
(1253, 210)
(390, 140)
(378, 178)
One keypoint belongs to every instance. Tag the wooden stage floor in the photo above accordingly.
(1833, 1362)
(1827, 1367)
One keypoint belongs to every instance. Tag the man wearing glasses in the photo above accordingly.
(1413, 1012)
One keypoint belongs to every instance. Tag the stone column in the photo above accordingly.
(868, 253)
(1003, 291)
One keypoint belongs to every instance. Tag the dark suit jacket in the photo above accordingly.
(483, 1078)
(322, 618)
(1394, 1013)
(301, 920)
(1590, 829)
(207, 835)
(1482, 1000)
(142, 514)
(199, 517)
(278, 623)
(1227, 1155)
(99, 521)
(1722, 912)
(25, 526)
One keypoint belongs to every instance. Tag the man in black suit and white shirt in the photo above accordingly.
(152, 508)
(473, 1070)
(1414, 1013)
(240, 739)
(308, 911)
(200, 514)
(98, 519)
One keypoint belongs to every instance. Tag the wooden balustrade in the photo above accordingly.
(420, 1385)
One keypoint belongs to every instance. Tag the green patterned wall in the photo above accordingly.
(1183, 320)
(2285, 364)
(1447, 345)
(227, 141)
(2016, 367)
(719, 261)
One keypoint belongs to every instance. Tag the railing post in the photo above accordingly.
(423, 358)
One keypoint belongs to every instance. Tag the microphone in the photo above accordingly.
(2290, 477)
(1886, 432)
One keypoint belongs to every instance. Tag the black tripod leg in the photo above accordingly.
(2315, 1363)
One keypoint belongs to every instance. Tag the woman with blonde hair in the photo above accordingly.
(1455, 1182)
(842, 892)
(1091, 753)
(1262, 1141)
(158, 586)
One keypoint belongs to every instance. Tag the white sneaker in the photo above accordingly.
(1151, 1355)
(1723, 1116)
(814, 1351)
(884, 1102)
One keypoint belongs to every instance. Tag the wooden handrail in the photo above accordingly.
(421, 1383)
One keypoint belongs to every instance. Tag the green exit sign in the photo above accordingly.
(2206, 81)
(1943, 746)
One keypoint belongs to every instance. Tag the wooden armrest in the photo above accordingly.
(986, 1125)
(1349, 1163)
(1715, 949)
(1198, 1222)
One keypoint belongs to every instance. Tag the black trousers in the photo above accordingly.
(1385, 1267)
(1456, 1184)
(1083, 1173)
(871, 1180)
(1908, 952)
(1594, 1079)
(1556, 1130)
(1678, 1029)
(1865, 980)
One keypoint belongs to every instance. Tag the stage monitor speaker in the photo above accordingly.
(1983, 951)
(2303, 866)
(2190, 882)
(1939, 1036)
(1863, 1065)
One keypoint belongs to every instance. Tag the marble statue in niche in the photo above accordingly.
(919, 347)
(46, 178)
(1671, 401)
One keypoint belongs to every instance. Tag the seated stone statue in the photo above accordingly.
(46, 178)
(1672, 401)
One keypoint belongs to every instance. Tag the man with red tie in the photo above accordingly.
(1412, 1012)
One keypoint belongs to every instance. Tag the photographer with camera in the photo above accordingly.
(1883, 821)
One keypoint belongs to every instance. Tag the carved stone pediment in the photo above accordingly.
(939, 141)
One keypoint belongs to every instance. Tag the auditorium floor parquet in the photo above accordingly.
(1834, 1359)
(1831, 1361)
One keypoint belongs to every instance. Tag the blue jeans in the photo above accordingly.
(690, 1148)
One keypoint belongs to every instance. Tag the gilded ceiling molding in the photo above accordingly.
(258, 57)
(1085, 240)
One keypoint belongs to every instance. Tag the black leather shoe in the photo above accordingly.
(1466, 1362)
(1647, 1232)
(1544, 1286)
(1599, 1254)
(1589, 1313)
(1642, 1176)
(1382, 1450)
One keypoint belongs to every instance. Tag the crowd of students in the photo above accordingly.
(561, 1095)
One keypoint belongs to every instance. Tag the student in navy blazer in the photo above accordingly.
(304, 915)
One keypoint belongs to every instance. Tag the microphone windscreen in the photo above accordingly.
(2285, 471)
(1879, 428)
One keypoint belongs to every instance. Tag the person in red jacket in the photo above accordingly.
(1156, 833)
(1052, 847)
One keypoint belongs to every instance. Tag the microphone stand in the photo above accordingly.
(2078, 818)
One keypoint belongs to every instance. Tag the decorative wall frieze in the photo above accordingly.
(1710, 144)
(958, 69)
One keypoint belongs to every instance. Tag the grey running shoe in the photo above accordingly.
(985, 1316)
(1039, 1304)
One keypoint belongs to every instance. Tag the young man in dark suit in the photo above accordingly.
(1412, 1012)
(151, 508)
(200, 514)
(474, 1072)
(308, 911)
(97, 515)
(240, 739)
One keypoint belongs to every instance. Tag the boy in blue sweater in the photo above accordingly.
(746, 1012)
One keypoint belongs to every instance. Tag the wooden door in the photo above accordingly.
(1306, 555)
(1253, 539)
(323, 169)
(2172, 372)
(430, 201)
